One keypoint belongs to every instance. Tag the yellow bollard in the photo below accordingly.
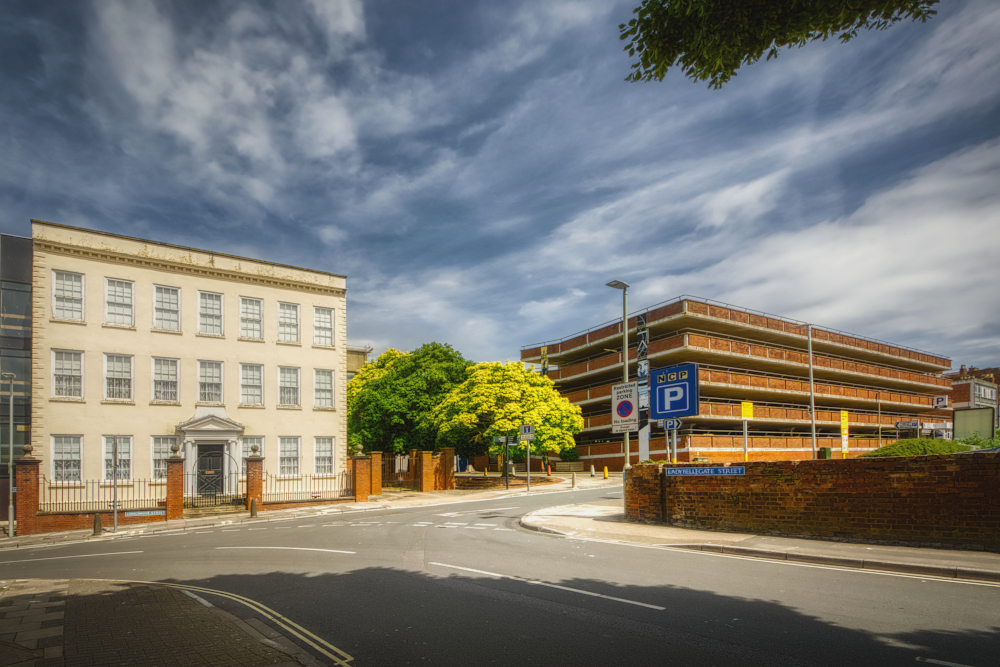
(605, 472)
(486, 470)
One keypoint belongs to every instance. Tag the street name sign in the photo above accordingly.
(673, 392)
(625, 407)
(669, 424)
(527, 432)
(705, 472)
(941, 402)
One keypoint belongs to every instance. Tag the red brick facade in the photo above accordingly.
(175, 488)
(376, 478)
(255, 481)
(362, 477)
(950, 500)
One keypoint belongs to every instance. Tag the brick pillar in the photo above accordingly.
(362, 477)
(376, 473)
(448, 464)
(425, 471)
(255, 480)
(26, 480)
(175, 487)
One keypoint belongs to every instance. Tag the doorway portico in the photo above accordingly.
(211, 449)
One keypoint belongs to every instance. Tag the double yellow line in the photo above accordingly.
(318, 643)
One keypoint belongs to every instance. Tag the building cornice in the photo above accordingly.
(111, 257)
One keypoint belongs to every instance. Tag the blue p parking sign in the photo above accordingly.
(673, 392)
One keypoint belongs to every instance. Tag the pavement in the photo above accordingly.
(605, 521)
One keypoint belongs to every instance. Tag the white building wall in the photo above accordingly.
(98, 256)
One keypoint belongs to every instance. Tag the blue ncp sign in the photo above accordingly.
(673, 392)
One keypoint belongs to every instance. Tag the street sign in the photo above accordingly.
(525, 438)
(673, 392)
(907, 425)
(940, 402)
(844, 424)
(705, 472)
(625, 407)
(527, 429)
(746, 409)
(670, 424)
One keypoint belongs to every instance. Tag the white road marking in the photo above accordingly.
(492, 509)
(256, 528)
(456, 523)
(230, 530)
(491, 525)
(445, 526)
(940, 662)
(312, 525)
(205, 532)
(509, 530)
(475, 527)
(29, 560)
(332, 551)
(545, 583)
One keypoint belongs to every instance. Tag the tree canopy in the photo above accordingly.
(711, 39)
(390, 401)
(496, 399)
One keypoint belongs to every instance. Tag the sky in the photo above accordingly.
(480, 169)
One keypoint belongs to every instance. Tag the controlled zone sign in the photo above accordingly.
(625, 407)
(673, 392)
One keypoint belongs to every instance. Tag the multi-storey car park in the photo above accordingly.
(744, 355)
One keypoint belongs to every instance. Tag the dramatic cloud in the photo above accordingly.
(479, 171)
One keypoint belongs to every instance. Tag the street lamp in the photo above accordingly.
(623, 286)
(10, 458)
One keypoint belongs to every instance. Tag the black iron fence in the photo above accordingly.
(214, 489)
(100, 495)
(397, 472)
(305, 488)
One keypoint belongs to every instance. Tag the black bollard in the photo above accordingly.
(253, 508)
(97, 524)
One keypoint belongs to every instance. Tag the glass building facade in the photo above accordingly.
(15, 342)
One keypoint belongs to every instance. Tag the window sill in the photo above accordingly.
(68, 485)
(288, 342)
(61, 320)
(289, 407)
(175, 332)
(292, 478)
(325, 475)
(67, 399)
(127, 327)
(324, 347)
(155, 402)
(107, 484)
(158, 482)
(251, 406)
(251, 340)
(117, 401)
(209, 404)
(208, 335)
(323, 408)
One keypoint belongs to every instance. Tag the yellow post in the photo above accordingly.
(605, 472)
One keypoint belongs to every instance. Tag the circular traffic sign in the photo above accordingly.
(625, 408)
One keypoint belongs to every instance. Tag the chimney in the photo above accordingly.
(962, 369)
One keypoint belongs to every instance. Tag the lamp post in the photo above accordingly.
(623, 286)
(10, 457)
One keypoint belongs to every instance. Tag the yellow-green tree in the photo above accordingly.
(496, 399)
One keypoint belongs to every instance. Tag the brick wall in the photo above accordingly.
(950, 500)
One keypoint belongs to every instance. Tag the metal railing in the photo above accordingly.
(305, 488)
(214, 489)
(98, 495)
(397, 472)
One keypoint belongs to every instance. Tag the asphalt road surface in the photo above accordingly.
(464, 584)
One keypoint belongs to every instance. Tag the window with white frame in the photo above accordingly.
(323, 388)
(288, 456)
(210, 313)
(167, 308)
(166, 384)
(251, 318)
(161, 452)
(67, 369)
(67, 295)
(248, 443)
(288, 386)
(118, 377)
(118, 302)
(124, 443)
(251, 384)
(66, 458)
(323, 326)
(288, 322)
(324, 456)
(210, 381)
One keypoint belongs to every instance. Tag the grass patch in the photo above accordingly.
(918, 447)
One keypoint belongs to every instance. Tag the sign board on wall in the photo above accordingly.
(844, 423)
(746, 410)
(625, 407)
(940, 402)
(975, 420)
(673, 392)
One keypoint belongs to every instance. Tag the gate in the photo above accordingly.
(397, 472)
(211, 485)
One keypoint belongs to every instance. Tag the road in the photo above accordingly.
(464, 584)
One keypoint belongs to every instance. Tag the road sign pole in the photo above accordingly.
(506, 463)
(673, 448)
(746, 451)
(527, 449)
(812, 389)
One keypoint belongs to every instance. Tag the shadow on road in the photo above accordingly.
(387, 616)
